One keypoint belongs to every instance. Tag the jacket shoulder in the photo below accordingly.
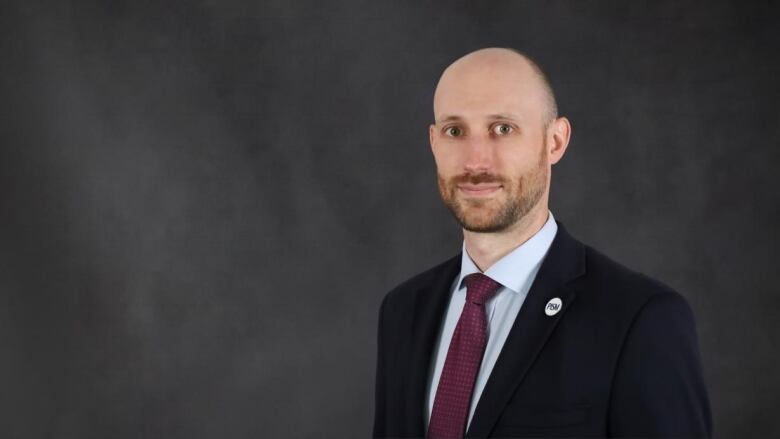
(619, 283)
(407, 288)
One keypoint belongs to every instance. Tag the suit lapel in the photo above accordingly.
(430, 306)
(531, 329)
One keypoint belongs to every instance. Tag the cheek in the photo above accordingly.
(512, 162)
(446, 163)
(519, 158)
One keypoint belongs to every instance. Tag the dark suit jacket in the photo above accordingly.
(620, 358)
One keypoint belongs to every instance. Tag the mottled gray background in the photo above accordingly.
(202, 203)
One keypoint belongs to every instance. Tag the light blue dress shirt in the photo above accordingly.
(515, 272)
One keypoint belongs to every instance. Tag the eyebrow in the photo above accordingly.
(497, 116)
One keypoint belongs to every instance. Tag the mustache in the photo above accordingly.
(477, 178)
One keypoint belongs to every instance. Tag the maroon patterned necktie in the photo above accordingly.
(453, 396)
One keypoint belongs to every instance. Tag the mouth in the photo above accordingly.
(479, 190)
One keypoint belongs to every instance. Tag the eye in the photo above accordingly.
(502, 129)
(453, 131)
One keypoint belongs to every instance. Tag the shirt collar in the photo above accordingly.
(514, 270)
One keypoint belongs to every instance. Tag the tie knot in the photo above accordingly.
(480, 288)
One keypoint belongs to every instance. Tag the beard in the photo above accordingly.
(495, 214)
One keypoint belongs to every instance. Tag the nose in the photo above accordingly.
(478, 155)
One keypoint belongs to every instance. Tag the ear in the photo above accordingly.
(559, 133)
(432, 134)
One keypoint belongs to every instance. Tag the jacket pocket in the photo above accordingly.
(544, 416)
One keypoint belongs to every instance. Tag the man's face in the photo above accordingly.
(489, 144)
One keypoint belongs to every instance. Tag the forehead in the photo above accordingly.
(478, 91)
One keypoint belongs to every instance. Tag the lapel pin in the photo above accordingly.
(553, 306)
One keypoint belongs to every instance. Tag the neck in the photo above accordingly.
(487, 248)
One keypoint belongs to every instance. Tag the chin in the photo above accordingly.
(479, 223)
(484, 227)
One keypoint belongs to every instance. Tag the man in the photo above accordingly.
(527, 332)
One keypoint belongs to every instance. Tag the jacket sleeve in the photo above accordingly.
(380, 393)
(658, 388)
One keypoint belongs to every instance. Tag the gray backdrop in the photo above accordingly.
(202, 203)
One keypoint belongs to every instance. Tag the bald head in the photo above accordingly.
(495, 71)
(494, 140)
